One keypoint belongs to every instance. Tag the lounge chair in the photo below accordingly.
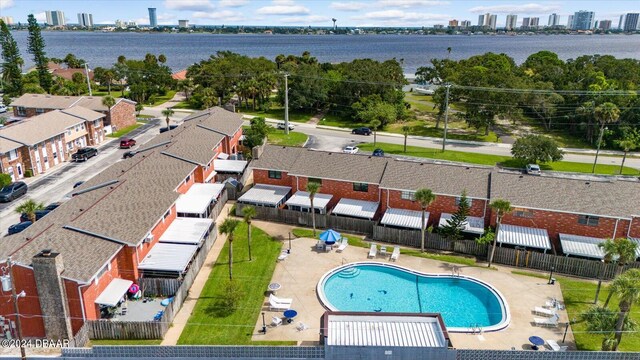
(544, 311)
(279, 303)
(554, 304)
(555, 347)
(302, 326)
(343, 245)
(320, 245)
(395, 254)
(275, 321)
(383, 251)
(283, 255)
(552, 321)
(373, 250)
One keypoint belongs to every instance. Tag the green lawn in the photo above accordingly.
(211, 323)
(485, 159)
(143, 116)
(278, 137)
(125, 131)
(278, 113)
(456, 130)
(124, 342)
(339, 120)
(164, 98)
(182, 105)
(578, 297)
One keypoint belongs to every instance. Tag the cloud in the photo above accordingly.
(395, 17)
(5, 4)
(531, 8)
(278, 9)
(283, 2)
(348, 6)
(310, 19)
(195, 5)
(232, 3)
(410, 3)
(41, 17)
(226, 15)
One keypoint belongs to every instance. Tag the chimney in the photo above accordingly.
(47, 267)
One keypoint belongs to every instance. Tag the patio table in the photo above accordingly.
(536, 341)
(290, 314)
(274, 287)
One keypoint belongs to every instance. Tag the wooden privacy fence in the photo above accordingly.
(127, 330)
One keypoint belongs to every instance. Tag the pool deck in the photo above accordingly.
(300, 272)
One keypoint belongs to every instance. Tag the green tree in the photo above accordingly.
(533, 149)
(139, 108)
(424, 197)
(603, 321)
(501, 207)
(228, 227)
(109, 102)
(621, 250)
(11, 73)
(162, 59)
(248, 213)
(375, 124)
(36, 48)
(606, 113)
(5, 179)
(458, 219)
(405, 131)
(167, 113)
(629, 142)
(255, 135)
(313, 188)
(29, 207)
(627, 288)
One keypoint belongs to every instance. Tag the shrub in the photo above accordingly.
(5, 180)
(28, 173)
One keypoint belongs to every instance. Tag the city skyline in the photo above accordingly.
(410, 13)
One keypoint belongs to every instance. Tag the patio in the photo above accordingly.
(522, 294)
(139, 310)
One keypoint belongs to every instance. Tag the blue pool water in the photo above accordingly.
(462, 302)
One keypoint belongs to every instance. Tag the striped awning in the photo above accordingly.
(581, 246)
(473, 224)
(523, 236)
(356, 208)
(404, 218)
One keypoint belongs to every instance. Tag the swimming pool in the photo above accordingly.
(465, 303)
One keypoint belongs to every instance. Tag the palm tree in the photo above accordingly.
(228, 227)
(627, 287)
(375, 124)
(313, 187)
(424, 197)
(248, 212)
(601, 320)
(109, 102)
(621, 250)
(605, 114)
(626, 144)
(405, 131)
(501, 207)
(29, 207)
(167, 113)
(449, 51)
(109, 75)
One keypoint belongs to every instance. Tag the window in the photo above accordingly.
(39, 111)
(96, 123)
(315, 180)
(522, 213)
(69, 132)
(82, 126)
(469, 201)
(588, 220)
(102, 272)
(166, 215)
(408, 195)
(187, 179)
(273, 174)
(13, 154)
(21, 111)
(361, 187)
(77, 128)
(70, 145)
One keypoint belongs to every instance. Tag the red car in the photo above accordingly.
(127, 143)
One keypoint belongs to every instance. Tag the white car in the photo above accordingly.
(533, 169)
(3, 108)
(350, 149)
(281, 125)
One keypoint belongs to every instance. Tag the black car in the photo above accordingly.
(84, 154)
(16, 228)
(13, 191)
(361, 131)
(378, 152)
(41, 213)
(165, 129)
(128, 154)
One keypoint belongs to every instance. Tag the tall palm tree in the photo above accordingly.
(627, 287)
(424, 197)
(167, 113)
(621, 250)
(248, 212)
(313, 188)
(228, 227)
(603, 321)
(605, 114)
(626, 144)
(375, 124)
(29, 207)
(405, 131)
(109, 102)
(501, 207)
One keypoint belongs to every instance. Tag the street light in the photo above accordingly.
(264, 325)
(551, 279)
(566, 328)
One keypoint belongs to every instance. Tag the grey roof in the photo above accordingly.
(617, 198)
(42, 101)
(218, 119)
(279, 158)
(39, 128)
(442, 179)
(83, 112)
(192, 142)
(95, 102)
(7, 145)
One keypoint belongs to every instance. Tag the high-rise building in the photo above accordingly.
(85, 20)
(631, 22)
(512, 19)
(534, 22)
(604, 25)
(583, 20)
(465, 24)
(525, 22)
(183, 24)
(570, 22)
(554, 20)
(621, 22)
(453, 23)
(7, 19)
(153, 17)
(488, 20)
(55, 18)
(481, 20)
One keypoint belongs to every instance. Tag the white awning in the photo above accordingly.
(211, 176)
(229, 166)
(390, 331)
(112, 294)
(404, 218)
(168, 257)
(473, 224)
(198, 198)
(523, 236)
(581, 246)
(356, 208)
(187, 231)
(223, 156)
(301, 198)
(265, 195)
(637, 241)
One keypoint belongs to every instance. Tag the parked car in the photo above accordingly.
(13, 191)
(41, 213)
(84, 154)
(378, 152)
(533, 169)
(78, 184)
(350, 149)
(165, 129)
(361, 131)
(281, 125)
(127, 143)
(3, 108)
(16, 228)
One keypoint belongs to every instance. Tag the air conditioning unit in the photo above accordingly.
(149, 238)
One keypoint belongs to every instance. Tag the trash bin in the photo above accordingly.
(553, 281)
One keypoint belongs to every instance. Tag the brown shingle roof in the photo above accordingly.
(39, 128)
(7, 145)
(95, 102)
(193, 143)
(218, 119)
(442, 179)
(68, 73)
(41, 101)
(606, 198)
(84, 113)
(279, 158)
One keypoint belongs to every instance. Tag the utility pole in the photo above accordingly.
(16, 309)
(593, 170)
(286, 104)
(86, 72)
(446, 115)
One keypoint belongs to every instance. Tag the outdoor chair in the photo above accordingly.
(373, 250)
(395, 254)
(555, 347)
(280, 300)
(302, 326)
(554, 304)
(544, 311)
(551, 322)
(283, 255)
(343, 245)
(383, 251)
(275, 321)
(273, 305)
(320, 245)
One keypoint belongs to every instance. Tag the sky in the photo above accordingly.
(410, 13)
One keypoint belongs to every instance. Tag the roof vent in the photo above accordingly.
(45, 252)
(587, 183)
(81, 209)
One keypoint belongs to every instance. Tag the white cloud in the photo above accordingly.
(41, 17)
(283, 2)
(226, 15)
(166, 16)
(195, 5)
(305, 20)
(395, 17)
(232, 3)
(5, 4)
(348, 6)
(291, 9)
(410, 3)
(531, 8)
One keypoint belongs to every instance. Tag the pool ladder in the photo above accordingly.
(455, 271)
(476, 329)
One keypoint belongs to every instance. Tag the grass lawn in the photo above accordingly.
(485, 159)
(164, 98)
(211, 323)
(278, 137)
(278, 113)
(183, 105)
(338, 120)
(125, 131)
(143, 116)
(456, 130)
(578, 297)
(124, 342)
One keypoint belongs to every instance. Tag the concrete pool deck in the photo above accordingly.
(300, 272)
